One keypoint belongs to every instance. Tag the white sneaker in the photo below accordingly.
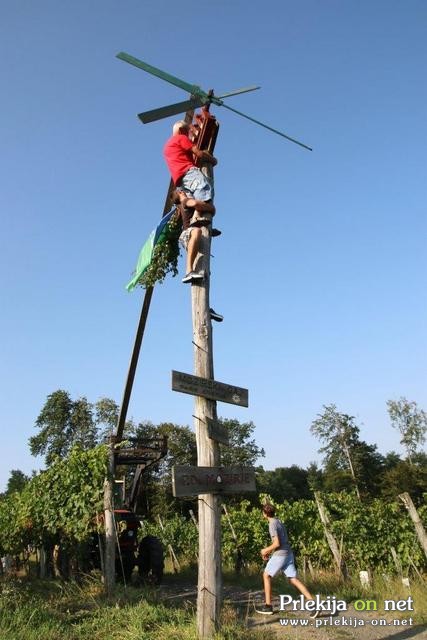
(193, 276)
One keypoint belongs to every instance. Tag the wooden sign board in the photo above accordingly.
(217, 432)
(191, 481)
(196, 386)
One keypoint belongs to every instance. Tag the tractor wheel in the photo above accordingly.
(151, 560)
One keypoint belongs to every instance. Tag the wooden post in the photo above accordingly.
(422, 537)
(110, 533)
(209, 576)
(342, 569)
(174, 559)
(239, 563)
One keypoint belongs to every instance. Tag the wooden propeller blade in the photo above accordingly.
(170, 110)
(154, 71)
(237, 92)
(266, 126)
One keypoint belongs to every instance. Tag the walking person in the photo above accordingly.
(280, 558)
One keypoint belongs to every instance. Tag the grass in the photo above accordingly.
(53, 610)
(56, 610)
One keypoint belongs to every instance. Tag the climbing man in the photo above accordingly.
(280, 558)
(194, 191)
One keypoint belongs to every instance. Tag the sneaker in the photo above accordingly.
(192, 276)
(265, 609)
(216, 316)
(215, 233)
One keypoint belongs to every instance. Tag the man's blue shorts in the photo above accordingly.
(194, 183)
(286, 564)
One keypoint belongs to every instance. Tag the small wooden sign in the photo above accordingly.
(191, 481)
(217, 431)
(196, 386)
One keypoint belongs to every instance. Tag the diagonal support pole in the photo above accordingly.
(133, 363)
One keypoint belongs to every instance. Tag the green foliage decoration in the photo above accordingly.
(165, 254)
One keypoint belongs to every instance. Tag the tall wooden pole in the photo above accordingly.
(210, 577)
(110, 534)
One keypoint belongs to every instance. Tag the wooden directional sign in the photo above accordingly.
(190, 481)
(217, 432)
(196, 386)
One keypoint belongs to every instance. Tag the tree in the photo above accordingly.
(83, 428)
(314, 477)
(405, 477)
(340, 434)
(63, 423)
(106, 415)
(285, 483)
(54, 422)
(16, 482)
(391, 459)
(369, 464)
(242, 450)
(411, 422)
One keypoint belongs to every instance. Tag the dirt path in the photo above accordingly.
(288, 625)
(342, 626)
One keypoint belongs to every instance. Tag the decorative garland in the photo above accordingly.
(165, 254)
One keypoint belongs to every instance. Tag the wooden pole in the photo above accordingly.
(422, 537)
(174, 559)
(209, 576)
(336, 552)
(239, 557)
(110, 533)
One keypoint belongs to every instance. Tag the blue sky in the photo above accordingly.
(320, 271)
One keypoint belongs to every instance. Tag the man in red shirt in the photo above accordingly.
(193, 189)
(179, 153)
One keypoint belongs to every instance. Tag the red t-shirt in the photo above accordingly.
(178, 156)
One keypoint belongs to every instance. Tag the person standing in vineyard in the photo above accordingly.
(280, 557)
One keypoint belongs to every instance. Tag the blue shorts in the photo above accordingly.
(286, 564)
(194, 183)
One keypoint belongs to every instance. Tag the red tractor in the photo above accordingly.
(147, 552)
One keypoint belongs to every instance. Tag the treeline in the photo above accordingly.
(349, 463)
(358, 484)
